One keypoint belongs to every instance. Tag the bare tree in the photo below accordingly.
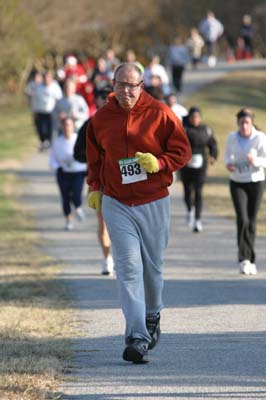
(91, 25)
(19, 41)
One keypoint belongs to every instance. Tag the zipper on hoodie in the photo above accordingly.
(128, 118)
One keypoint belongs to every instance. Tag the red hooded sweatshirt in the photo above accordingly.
(114, 134)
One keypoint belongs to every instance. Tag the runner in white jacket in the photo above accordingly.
(70, 174)
(245, 158)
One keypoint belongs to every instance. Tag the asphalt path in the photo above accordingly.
(214, 327)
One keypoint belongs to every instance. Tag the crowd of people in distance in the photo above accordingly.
(51, 96)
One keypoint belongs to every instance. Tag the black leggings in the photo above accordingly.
(193, 180)
(177, 75)
(247, 199)
(44, 126)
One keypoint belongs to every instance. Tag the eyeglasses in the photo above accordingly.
(129, 86)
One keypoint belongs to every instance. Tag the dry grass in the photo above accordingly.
(35, 323)
(219, 103)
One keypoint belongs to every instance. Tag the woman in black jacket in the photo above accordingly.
(204, 150)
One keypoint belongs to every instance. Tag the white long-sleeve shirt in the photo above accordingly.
(75, 107)
(179, 111)
(178, 55)
(61, 155)
(236, 150)
(211, 29)
(157, 70)
(43, 97)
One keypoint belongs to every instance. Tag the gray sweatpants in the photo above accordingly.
(139, 236)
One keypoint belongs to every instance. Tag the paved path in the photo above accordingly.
(194, 80)
(214, 325)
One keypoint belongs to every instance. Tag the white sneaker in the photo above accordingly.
(212, 61)
(190, 218)
(244, 267)
(108, 266)
(41, 146)
(69, 226)
(46, 144)
(198, 226)
(80, 214)
(252, 269)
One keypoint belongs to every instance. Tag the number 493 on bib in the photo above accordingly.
(131, 171)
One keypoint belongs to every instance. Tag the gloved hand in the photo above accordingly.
(95, 200)
(148, 161)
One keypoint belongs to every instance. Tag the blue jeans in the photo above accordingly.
(70, 185)
(139, 236)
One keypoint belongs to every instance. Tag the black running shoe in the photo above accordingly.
(136, 350)
(153, 326)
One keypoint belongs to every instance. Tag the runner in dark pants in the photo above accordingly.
(70, 174)
(245, 159)
(193, 175)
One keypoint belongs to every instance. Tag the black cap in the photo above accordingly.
(193, 110)
(104, 91)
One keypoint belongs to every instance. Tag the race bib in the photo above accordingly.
(131, 171)
(196, 161)
(67, 164)
(243, 166)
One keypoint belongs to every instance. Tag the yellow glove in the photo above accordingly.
(95, 200)
(148, 161)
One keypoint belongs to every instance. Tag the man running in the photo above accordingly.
(134, 144)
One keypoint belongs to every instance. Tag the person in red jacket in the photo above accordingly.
(134, 144)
